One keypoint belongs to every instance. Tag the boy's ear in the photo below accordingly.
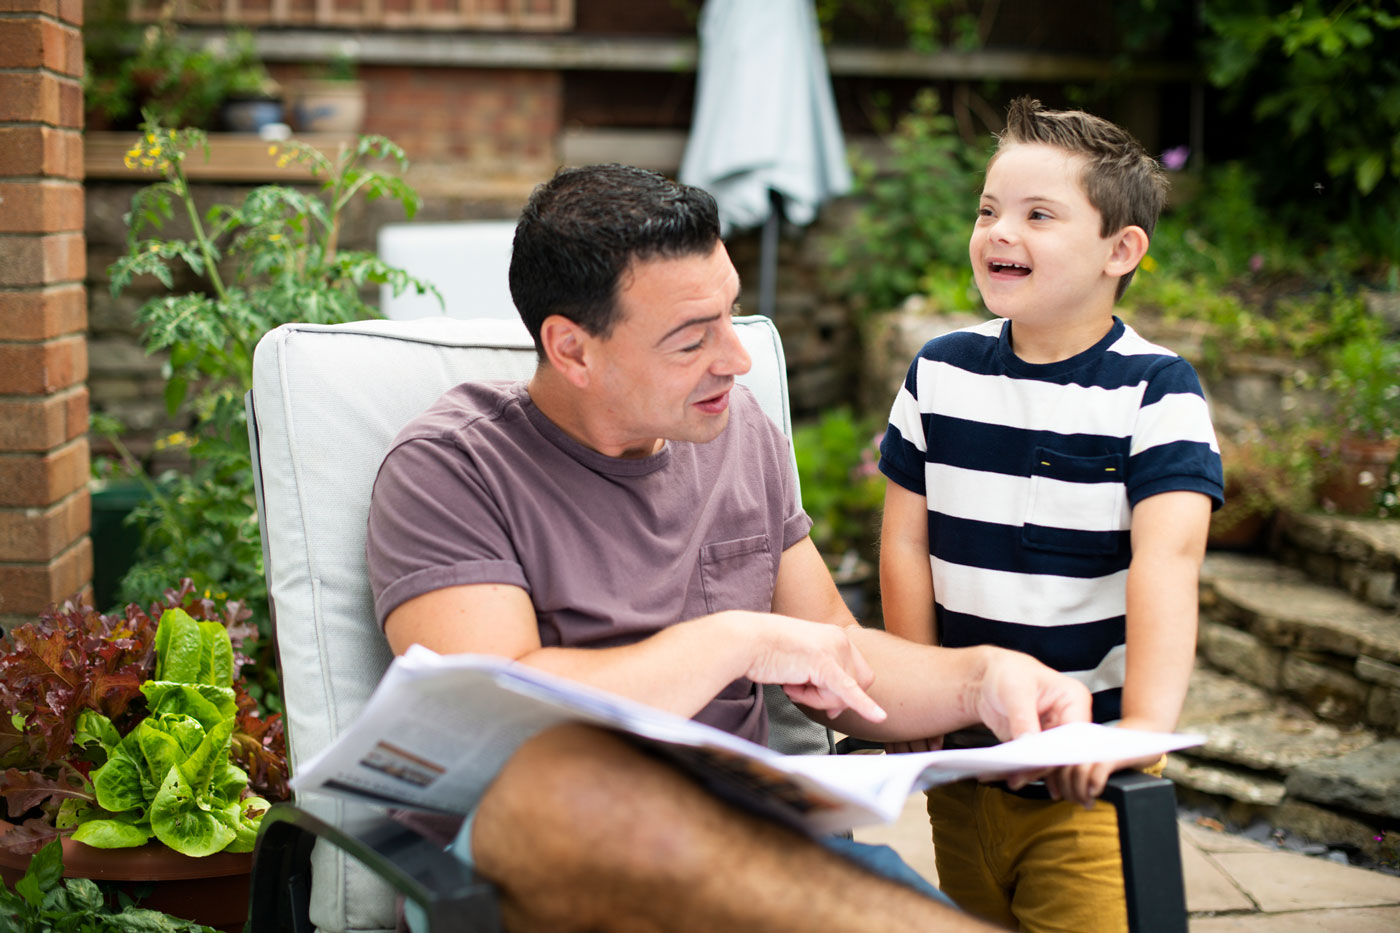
(1129, 246)
(566, 346)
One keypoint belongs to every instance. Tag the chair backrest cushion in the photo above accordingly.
(327, 401)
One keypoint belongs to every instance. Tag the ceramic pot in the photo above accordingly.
(327, 106)
(1358, 475)
(212, 890)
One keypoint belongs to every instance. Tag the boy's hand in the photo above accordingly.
(933, 743)
(1084, 783)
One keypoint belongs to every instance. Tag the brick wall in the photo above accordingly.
(45, 555)
(490, 118)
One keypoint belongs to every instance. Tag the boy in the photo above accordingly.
(1051, 478)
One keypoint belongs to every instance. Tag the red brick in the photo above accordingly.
(40, 480)
(43, 534)
(31, 97)
(40, 150)
(71, 11)
(42, 260)
(42, 368)
(43, 313)
(41, 206)
(40, 43)
(49, 7)
(28, 589)
(41, 424)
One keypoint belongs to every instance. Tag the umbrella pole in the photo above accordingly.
(768, 256)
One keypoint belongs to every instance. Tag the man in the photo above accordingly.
(628, 519)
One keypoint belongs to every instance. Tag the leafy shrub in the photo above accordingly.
(271, 259)
(913, 216)
(44, 900)
(842, 490)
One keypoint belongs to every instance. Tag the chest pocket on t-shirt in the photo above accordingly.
(1075, 503)
(737, 574)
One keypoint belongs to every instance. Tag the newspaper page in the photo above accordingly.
(438, 727)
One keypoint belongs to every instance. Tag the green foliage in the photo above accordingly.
(98, 709)
(268, 260)
(922, 25)
(43, 901)
(842, 490)
(130, 69)
(1333, 71)
(1364, 383)
(913, 217)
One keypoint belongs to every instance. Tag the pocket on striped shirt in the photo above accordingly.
(1074, 505)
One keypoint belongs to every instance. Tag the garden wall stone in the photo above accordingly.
(1362, 780)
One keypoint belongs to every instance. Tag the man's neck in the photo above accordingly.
(569, 410)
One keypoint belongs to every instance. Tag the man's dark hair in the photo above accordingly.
(1125, 184)
(581, 230)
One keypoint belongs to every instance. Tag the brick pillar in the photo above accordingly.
(45, 554)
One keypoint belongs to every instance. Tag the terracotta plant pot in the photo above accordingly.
(1358, 475)
(212, 890)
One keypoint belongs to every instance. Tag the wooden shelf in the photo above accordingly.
(232, 157)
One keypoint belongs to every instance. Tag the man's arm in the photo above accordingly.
(1169, 542)
(925, 689)
(679, 669)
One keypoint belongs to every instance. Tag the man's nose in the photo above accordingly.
(733, 359)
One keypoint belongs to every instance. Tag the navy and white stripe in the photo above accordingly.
(1031, 472)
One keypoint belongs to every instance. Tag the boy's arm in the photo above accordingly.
(906, 581)
(1169, 542)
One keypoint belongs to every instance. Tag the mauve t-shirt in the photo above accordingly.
(483, 488)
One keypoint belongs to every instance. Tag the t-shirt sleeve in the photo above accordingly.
(1174, 446)
(903, 447)
(416, 544)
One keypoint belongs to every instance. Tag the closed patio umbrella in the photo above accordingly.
(765, 138)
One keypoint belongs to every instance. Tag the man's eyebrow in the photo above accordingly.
(708, 319)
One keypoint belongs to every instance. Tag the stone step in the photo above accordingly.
(1358, 555)
(1265, 757)
(1278, 629)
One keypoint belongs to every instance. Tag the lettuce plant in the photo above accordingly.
(120, 728)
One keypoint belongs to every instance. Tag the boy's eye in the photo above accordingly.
(1039, 215)
(984, 212)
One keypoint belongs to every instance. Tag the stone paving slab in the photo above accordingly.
(1284, 607)
(1286, 881)
(1357, 920)
(1208, 888)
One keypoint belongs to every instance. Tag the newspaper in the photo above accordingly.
(437, 728)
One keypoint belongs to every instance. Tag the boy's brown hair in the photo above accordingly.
(1125, 184)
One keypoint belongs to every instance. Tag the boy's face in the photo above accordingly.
(1036, 252)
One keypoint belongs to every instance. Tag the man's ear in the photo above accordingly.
(566, 346)
(1129, 246)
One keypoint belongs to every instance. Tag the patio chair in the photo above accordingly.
(325, 405)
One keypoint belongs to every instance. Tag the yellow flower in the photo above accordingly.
(272, 150)
(148, 162)
(172, 135)
(163, 165)
(133, 152)
(154, 248)
(1149, 264)
(129, 162)
(274, 237)
(150, 137)
(206, 594)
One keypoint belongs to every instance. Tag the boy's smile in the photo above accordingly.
(1037, 253)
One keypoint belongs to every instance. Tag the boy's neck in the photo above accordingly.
(1051, 343)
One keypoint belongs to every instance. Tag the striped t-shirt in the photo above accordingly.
(1031, 472)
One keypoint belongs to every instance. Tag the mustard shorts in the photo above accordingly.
(1044, 866)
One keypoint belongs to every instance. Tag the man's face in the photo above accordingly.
(666, 370)
(1036, 250)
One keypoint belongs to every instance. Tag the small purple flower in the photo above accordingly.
(1256, 262)
(1174, 159)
